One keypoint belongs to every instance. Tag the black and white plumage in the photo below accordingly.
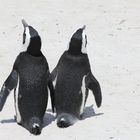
(30, 79)
(72, 78)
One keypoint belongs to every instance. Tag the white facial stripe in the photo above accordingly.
(18, 117)
(83, 50)
(27, 39)
(83, 90)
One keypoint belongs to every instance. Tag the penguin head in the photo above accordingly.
(78, 42)
(31, 40)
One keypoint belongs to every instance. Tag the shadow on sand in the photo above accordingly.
(89, 112)
(8, 121)
(48, 119)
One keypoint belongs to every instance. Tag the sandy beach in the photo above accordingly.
(113, 31)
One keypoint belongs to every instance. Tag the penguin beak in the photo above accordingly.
(24, 23)
(84, 27)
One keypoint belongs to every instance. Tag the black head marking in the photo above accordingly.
(31, 40)
(24, 37)
(77, 41)
(33, 32)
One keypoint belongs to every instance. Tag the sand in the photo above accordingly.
(113, 31)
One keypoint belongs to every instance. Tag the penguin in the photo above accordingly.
(72, 79)
(30, 80)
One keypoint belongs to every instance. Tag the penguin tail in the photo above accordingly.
(36, 129)
(65, 120)
(35, 126)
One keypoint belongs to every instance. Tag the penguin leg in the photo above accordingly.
(16, 119)
(94, 86)
(34, 126)
(8, 85)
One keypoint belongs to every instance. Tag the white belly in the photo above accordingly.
(83, 91)
(18, 116)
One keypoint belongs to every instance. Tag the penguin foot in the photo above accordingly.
(36, 130)
(15, 118)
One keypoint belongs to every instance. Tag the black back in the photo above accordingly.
(33, 73)
(70, 73)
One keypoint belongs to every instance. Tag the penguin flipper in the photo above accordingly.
(8, 85)
(51, 88)
(94, 86)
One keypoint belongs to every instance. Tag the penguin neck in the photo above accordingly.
(75, 47)
(74, 51)
(34, 47)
